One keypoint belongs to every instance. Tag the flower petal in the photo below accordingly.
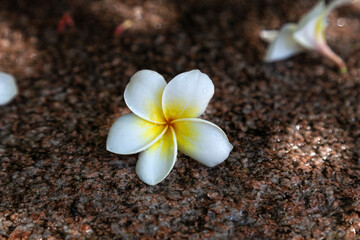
(312, 14)
(131, 134)
(312, 34)
(334, 4)
(187, 95)
(202, 140)
(269, 35)
(311, 31)
(155, 163)
(8, 88)
(284, 46)
(310, 25)
(143, 95)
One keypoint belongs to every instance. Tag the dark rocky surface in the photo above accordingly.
(294, 171)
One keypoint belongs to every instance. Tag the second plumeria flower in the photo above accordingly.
(164, 119)
(8, 88)
(308, 34)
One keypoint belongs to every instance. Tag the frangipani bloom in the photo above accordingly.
(308, 34)
(8, 88)
(164, 119)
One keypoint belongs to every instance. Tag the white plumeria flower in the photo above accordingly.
(8, 88)
(308, 34)
(164, 119)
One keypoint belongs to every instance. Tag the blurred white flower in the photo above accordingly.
(307, 34)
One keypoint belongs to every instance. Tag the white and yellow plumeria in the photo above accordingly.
(308, 34)
(8, 88)
(164, 119)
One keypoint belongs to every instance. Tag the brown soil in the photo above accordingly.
(294, 171)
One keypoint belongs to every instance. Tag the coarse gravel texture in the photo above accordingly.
(294, 172)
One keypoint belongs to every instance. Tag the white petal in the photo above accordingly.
(131, 134)
(284, 46)
(187, 95)
(334, 4)
(311, 35)
(202, 140)
(8, 88)
(269, 35)
(312, 14)
(155, 163)
(308, 34)
(143, 95)
(311, 31)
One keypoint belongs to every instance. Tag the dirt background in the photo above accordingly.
(294, 172)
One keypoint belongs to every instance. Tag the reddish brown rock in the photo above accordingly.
(293, 173)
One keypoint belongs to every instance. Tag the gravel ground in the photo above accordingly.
(294, 172)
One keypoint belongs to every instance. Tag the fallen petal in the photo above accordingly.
(65, 21)
(122, 27)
